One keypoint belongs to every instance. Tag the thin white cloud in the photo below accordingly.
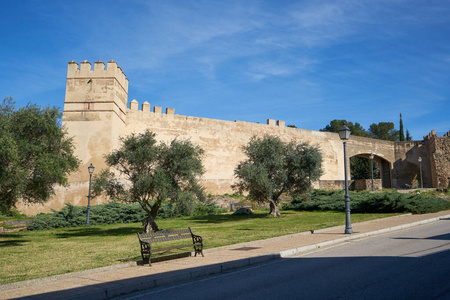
(263, 68)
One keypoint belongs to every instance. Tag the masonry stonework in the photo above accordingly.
(96, 116)
(439, 149)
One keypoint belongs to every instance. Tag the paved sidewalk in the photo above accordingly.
(109, 282)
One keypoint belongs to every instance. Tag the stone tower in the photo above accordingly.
(94, 112)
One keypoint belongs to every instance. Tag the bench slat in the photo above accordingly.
(163, 233)
(166, 238)
(175, 247)
(18, 222)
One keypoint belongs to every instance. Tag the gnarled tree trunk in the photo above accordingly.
(274, 211)
(149, 223)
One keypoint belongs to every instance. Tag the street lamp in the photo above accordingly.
(91, 170)
(420, 167)
(371, 167)
(344, 134)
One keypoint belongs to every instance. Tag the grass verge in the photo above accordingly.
(34, 254)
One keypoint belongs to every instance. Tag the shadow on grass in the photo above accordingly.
(215, 219)
(131, 259)
(12, 240)
(13, 243)
(94, 231)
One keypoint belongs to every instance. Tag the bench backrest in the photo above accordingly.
(18, 222)
(165, 235)
(243, 205)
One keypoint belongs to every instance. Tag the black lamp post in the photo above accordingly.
(91, 170)
(344, 134)
(371, 168)
(420, 167)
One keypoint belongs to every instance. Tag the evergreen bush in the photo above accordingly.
(73, 216)
(366, 202)
(115, 212)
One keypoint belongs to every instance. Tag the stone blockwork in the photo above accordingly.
(406, 169)
(366, 184)
(439, 149)
(96, 116)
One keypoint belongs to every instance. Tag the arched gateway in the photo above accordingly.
(96, 115)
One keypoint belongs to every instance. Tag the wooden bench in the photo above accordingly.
(16, 225)
(243, 205)
(148, 239)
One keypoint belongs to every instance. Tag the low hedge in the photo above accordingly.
(115, 212)
(366, 202)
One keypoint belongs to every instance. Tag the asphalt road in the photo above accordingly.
(408, 264)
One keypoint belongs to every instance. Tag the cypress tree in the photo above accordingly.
(408, 135)
(401, 132)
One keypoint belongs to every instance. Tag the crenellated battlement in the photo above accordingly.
(84, 70)
(145, 108)
(447, 135)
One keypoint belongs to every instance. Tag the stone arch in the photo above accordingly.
(385, 167)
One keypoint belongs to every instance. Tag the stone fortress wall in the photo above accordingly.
(439, 149)
(96, 116)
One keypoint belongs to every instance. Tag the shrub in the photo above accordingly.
(365, 202)
(204, 209)
(73, 216)
(115, 212)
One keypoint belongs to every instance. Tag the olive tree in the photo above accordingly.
(35, 153)
(147, 172)
(273, 167)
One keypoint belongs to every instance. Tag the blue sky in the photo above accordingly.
(305, 62)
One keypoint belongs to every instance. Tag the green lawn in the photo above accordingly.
(34, 254)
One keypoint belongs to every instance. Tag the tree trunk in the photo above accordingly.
(146, 225)
(274, 211)
(150, 225)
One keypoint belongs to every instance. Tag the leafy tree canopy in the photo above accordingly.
(384, 131)
(149, 173)
(274, 167)
(35, 153)
(356, 128)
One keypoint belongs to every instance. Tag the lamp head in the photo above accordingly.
(420, 159)
(91, 169)
(344, 132)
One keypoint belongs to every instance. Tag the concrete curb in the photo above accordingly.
(182, 276)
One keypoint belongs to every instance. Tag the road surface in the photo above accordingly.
(407, 264)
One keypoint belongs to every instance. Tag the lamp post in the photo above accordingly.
(371, 168)
(91, 170)
(344, 134)
(420, 167)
